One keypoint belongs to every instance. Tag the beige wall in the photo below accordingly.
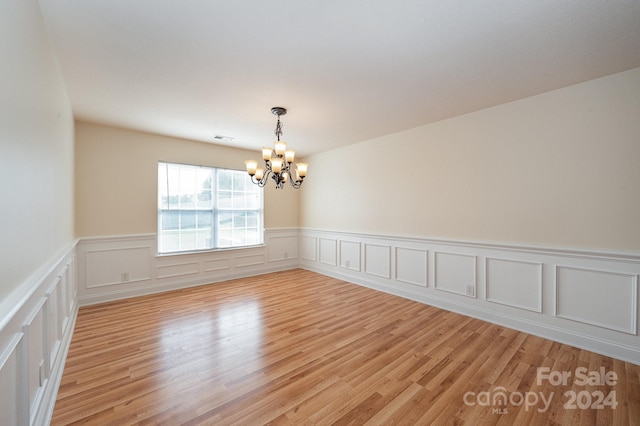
(36, 159)
(557, 169)
(116, 179)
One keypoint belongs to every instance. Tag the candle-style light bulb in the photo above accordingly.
(266, 153)
(259, 173)
(251, 166)
(281, 147)
(302, 169)
(276, 165)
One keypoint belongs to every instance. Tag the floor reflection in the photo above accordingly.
(241, 324)
(221, 339)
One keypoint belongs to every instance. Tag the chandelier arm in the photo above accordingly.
(294, 182)
(261, 182)
(297, 184)
(255, 181)
(267, 172)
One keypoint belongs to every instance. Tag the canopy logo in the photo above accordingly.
(499, 399)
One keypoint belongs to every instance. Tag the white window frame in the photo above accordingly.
(167, 187)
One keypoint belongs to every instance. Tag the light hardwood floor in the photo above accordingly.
(296, 347)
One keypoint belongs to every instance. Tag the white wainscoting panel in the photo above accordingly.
(454, 272)
(109, 266)
(280, 246)
(178, 269)
(601, 298)
(53, 313)
(514, 283)
(13, 403)
(590, 301)
(328, 251)
(34, 330)
(117, 267)
(350, 255)
(70, 273)
(411, 265)
(36, 325)
(250, 260)
(377, 260)
(214, 265)
(64, 295)
(309, 247)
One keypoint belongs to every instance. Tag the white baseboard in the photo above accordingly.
(153, 288)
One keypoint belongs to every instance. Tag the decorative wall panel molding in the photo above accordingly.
(116, 267)
(601, 298)
(309, 248)
(14, 407)
(282, 247)
(172, 270)
(34, 339)
(591, 301)
(377, 260)
(328, 251)
(250, 260)
(54, 325)
(514, 283)
(350, 255)
(455, 273)
(411, 266)
(113, 265)
(35, 333)
(215, 265)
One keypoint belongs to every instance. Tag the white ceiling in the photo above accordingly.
(347, 70)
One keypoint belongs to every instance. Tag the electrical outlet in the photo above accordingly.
(124, 277)
(471, 290)
(286, 255)
(347, 263)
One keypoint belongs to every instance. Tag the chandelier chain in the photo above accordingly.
(278, 131)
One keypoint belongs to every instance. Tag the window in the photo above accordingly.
(202, 208)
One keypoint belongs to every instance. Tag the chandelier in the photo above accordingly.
(278, 162)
